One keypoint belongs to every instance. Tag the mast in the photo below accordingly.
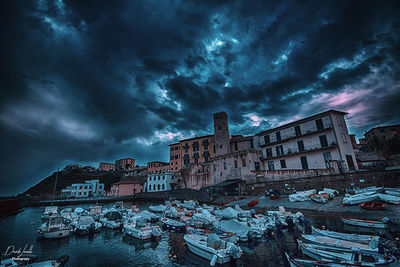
(54, 190)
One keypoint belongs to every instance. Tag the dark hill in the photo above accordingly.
(67, 178)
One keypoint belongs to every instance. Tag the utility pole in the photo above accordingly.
(54, 190)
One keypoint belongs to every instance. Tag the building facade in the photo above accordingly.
(92, 188)
(159, 177)
(125, 164)
(127, 187)
(382, 132)
(104, 166)
(320, 144)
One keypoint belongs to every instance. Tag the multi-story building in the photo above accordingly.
(104, 166)
(125, 164)
(319, 143)
(127, 187)
(159, 177)
(90, 188)
(138, 171)
(382, 132)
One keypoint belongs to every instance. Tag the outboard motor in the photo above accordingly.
(290, 224)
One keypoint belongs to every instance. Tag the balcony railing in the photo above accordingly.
(286, 137)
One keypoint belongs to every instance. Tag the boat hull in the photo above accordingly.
(206, 253)
(56, 234)
(364, 223)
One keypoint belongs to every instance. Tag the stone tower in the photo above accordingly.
(221, 133)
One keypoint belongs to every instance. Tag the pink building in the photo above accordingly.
(127, 188)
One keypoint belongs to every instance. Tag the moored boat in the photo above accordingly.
(364, 223)
(212, 248)
(172, 225)
(55, 228)
(86, 225)
(372, 205)
(320, 198)
(344, 244)
(364, 239)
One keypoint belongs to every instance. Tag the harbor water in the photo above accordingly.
(114, 248)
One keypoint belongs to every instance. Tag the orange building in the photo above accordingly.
(193, 150)
(157, 167)
(125, 164)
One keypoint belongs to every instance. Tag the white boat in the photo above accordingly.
(392, 191)
(49, 211)
(112, 219)
(321, 263)
(188, 204)
(390, 199)
(359, 198)
(212, 248)
(149, 216)
(364, 223)
(95, 212)
(142, 232)
(158, 208)
(86, 225)
(227, 213)
(333, 242)
(364, 239)
(55, 228)
(301, 196)
(172, 225)
(318, 252)
(240, 229)
(371, 189)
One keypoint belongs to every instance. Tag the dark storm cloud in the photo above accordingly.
(83, 82)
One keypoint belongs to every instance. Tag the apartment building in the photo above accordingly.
(382, 132)
(92, 188)
(159, 177)
(126, 164)
(127, 187)
(104, 166)
(320, 142)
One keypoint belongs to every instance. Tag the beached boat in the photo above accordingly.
(86, 225)
(318, 252)
(392, 191)
(333, 242)
(320, 198)
(55, 228)
(212, 248)
(373, 205)
(364, 239)
(321, 263)
(172, 225)
(359, 198)
(364, 223)
(389, 199)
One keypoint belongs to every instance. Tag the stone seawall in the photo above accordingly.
(339, 182)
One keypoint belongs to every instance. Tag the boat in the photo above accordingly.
(359, 198)
(138, 228)
(364, 223)
(212, 248)
(149, 216)
(227, 213)
(301, 196)
(112, 219)
(372, 205)
(11, 262)
(390, 199)
(252, 203)
(48, 212)
(363, 239)
(172, 225)
(95, 212)
(323, 253)
(158, 208)
(321, 263)
(240, 229)
(86, 225)
(392, 191)
(55, 228)
(320, 198)
(333, 242)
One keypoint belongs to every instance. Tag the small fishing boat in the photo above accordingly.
(252, 203)
(212, 248)
(240, 229)
(86, 225)
(55, 228)
(141, 230)
(390, 199)
(48, 212)
(172, 225)
(333, 242)
(321, 263)
(320, 198)
(359, 198)
(326, 253)
(364, 223)
(363, 239)
(112, 220)
(158, 208)
(372, 205)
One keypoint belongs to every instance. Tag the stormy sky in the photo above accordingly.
(90, 81)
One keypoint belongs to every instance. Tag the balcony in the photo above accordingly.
(294, 152)
(288, 137)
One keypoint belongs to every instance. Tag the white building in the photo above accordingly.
(319, 144)
(90, 188)
(160, 181)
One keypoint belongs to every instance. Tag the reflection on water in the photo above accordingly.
(114, 248)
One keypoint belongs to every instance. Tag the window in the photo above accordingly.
(327, 158)
(171, 158)
(159, 177)
(196, 160)
(206, 159)
(257, 165)
(244, 162)
(279, 150)
(205, 147)
(251, 143)
(323, 141)
(150, 179)
(163, 187)
(266, 139)
(268, 152)
(215, 149)
(283, 164)
(344, 138)
(235, 163)
(304, 164)
(297, 130)
(300, 144)
(271, 166)
(224, 165)
(163, 177)
(236, 146)
(158, 187)
(154, 187)
(215, 167)
(320, 125)
(339, 121)
(176, 156)
(176, 148)
(278, 136)
(172, 148)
